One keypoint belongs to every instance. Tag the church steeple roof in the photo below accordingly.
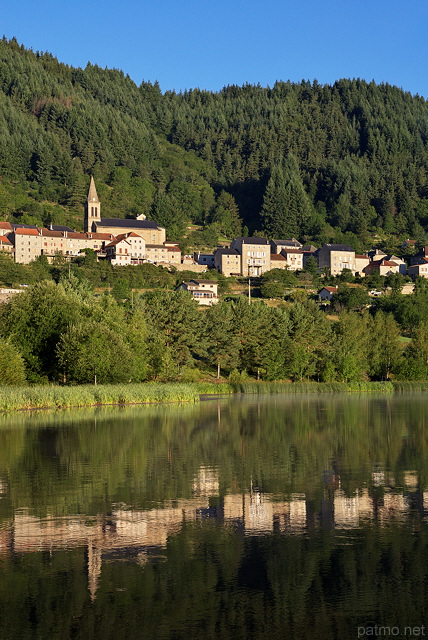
(92, 193)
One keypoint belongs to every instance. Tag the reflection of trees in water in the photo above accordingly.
(83, 461)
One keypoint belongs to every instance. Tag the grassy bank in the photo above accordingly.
(55, 397)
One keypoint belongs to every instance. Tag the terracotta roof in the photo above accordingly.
(76, 235)
(6, 225)
(123, 236)
(173, 249)
(288, 250)
(5, 240)
(361, 257)
(389, 263)
(51, 234)
(277, 257)
(27, 232)
(99, 236)
(113, 243)
(384, 263)
(330, 289)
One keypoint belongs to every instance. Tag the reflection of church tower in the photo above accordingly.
(94, 568)
(92, 208)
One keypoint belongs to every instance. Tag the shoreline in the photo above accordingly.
(38, 398)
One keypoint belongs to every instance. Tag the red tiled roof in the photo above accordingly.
(277, 257)
(99, 236)
(76, 235)
(5, 240)
(27, 232)
(173, 249)
(51, 234)
(6, 225)
(330, 289)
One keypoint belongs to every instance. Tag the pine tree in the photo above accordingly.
(286, 209)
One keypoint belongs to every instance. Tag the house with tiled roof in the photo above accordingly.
(326, 294)
(382, 267)
(278, 261)
(361, 261)
(205, 292)
(6, 245)
(118, 252)
(293, 257)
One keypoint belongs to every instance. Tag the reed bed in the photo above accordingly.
(410, 386)
(313, 387)
(54, 397)
(58, 397)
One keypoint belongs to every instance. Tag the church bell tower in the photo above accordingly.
(92, 208)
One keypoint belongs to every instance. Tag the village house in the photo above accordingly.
(381, 267)
(227, 261)
(419, 270)
(278, 245)
(6, 244)
(361, 261)
(120, 241)
(326, 294)
(278, 261)
(294, 258)
(206, 259)
(335, 258)
(419, 256)
(255, 255)
(118, 252)
(205, 292)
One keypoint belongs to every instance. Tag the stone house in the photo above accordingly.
(382, 267)
(119, 252)
(336, 258)
(205, 292)
(206, 259)
(6, 245)
(255, 255)
(278, 261)
(419, 269)
(278, 245)
(228, 261)
(294, 258)
(361, 261)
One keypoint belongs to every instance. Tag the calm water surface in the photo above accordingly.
(281, 517)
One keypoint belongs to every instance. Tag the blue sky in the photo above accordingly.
(186, 44)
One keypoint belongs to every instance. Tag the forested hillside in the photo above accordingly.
(316, 161)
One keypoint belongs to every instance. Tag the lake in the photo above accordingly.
(277, 517)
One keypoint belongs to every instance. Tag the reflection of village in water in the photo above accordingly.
(140, 534)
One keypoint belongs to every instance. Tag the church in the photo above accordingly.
(152, 233)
